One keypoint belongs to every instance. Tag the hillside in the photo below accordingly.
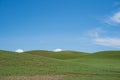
(108, 54)
(108, 60)
(58, 55)
(16, 66)
(12, 63)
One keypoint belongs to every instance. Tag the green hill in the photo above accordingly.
(58, 55)
(26, 66)
(12, 63)
(108, 54)
(102, 55)
(108, 60)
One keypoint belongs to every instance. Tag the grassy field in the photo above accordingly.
(65, 65)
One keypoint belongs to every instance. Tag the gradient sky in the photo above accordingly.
(82, 25)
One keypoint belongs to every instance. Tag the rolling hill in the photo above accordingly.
(47, 65)
(58, 55)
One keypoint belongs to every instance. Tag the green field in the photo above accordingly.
(65, 65)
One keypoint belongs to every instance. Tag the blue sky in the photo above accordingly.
(82, 25)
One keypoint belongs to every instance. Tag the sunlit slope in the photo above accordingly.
(83, 68)
(58, 55)
(12, 63)
(108, 60)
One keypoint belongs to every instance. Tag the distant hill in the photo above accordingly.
(107, 54)
(67, 54)
(58, 55)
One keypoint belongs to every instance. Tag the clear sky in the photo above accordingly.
(82, 25)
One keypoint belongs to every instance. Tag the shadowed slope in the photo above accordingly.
(108, 54)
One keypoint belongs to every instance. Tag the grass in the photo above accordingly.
(66, 65)
(58, 55)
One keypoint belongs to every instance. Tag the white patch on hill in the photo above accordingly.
(57, 50)
(19, 50)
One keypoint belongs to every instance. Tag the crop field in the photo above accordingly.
(64, 65)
